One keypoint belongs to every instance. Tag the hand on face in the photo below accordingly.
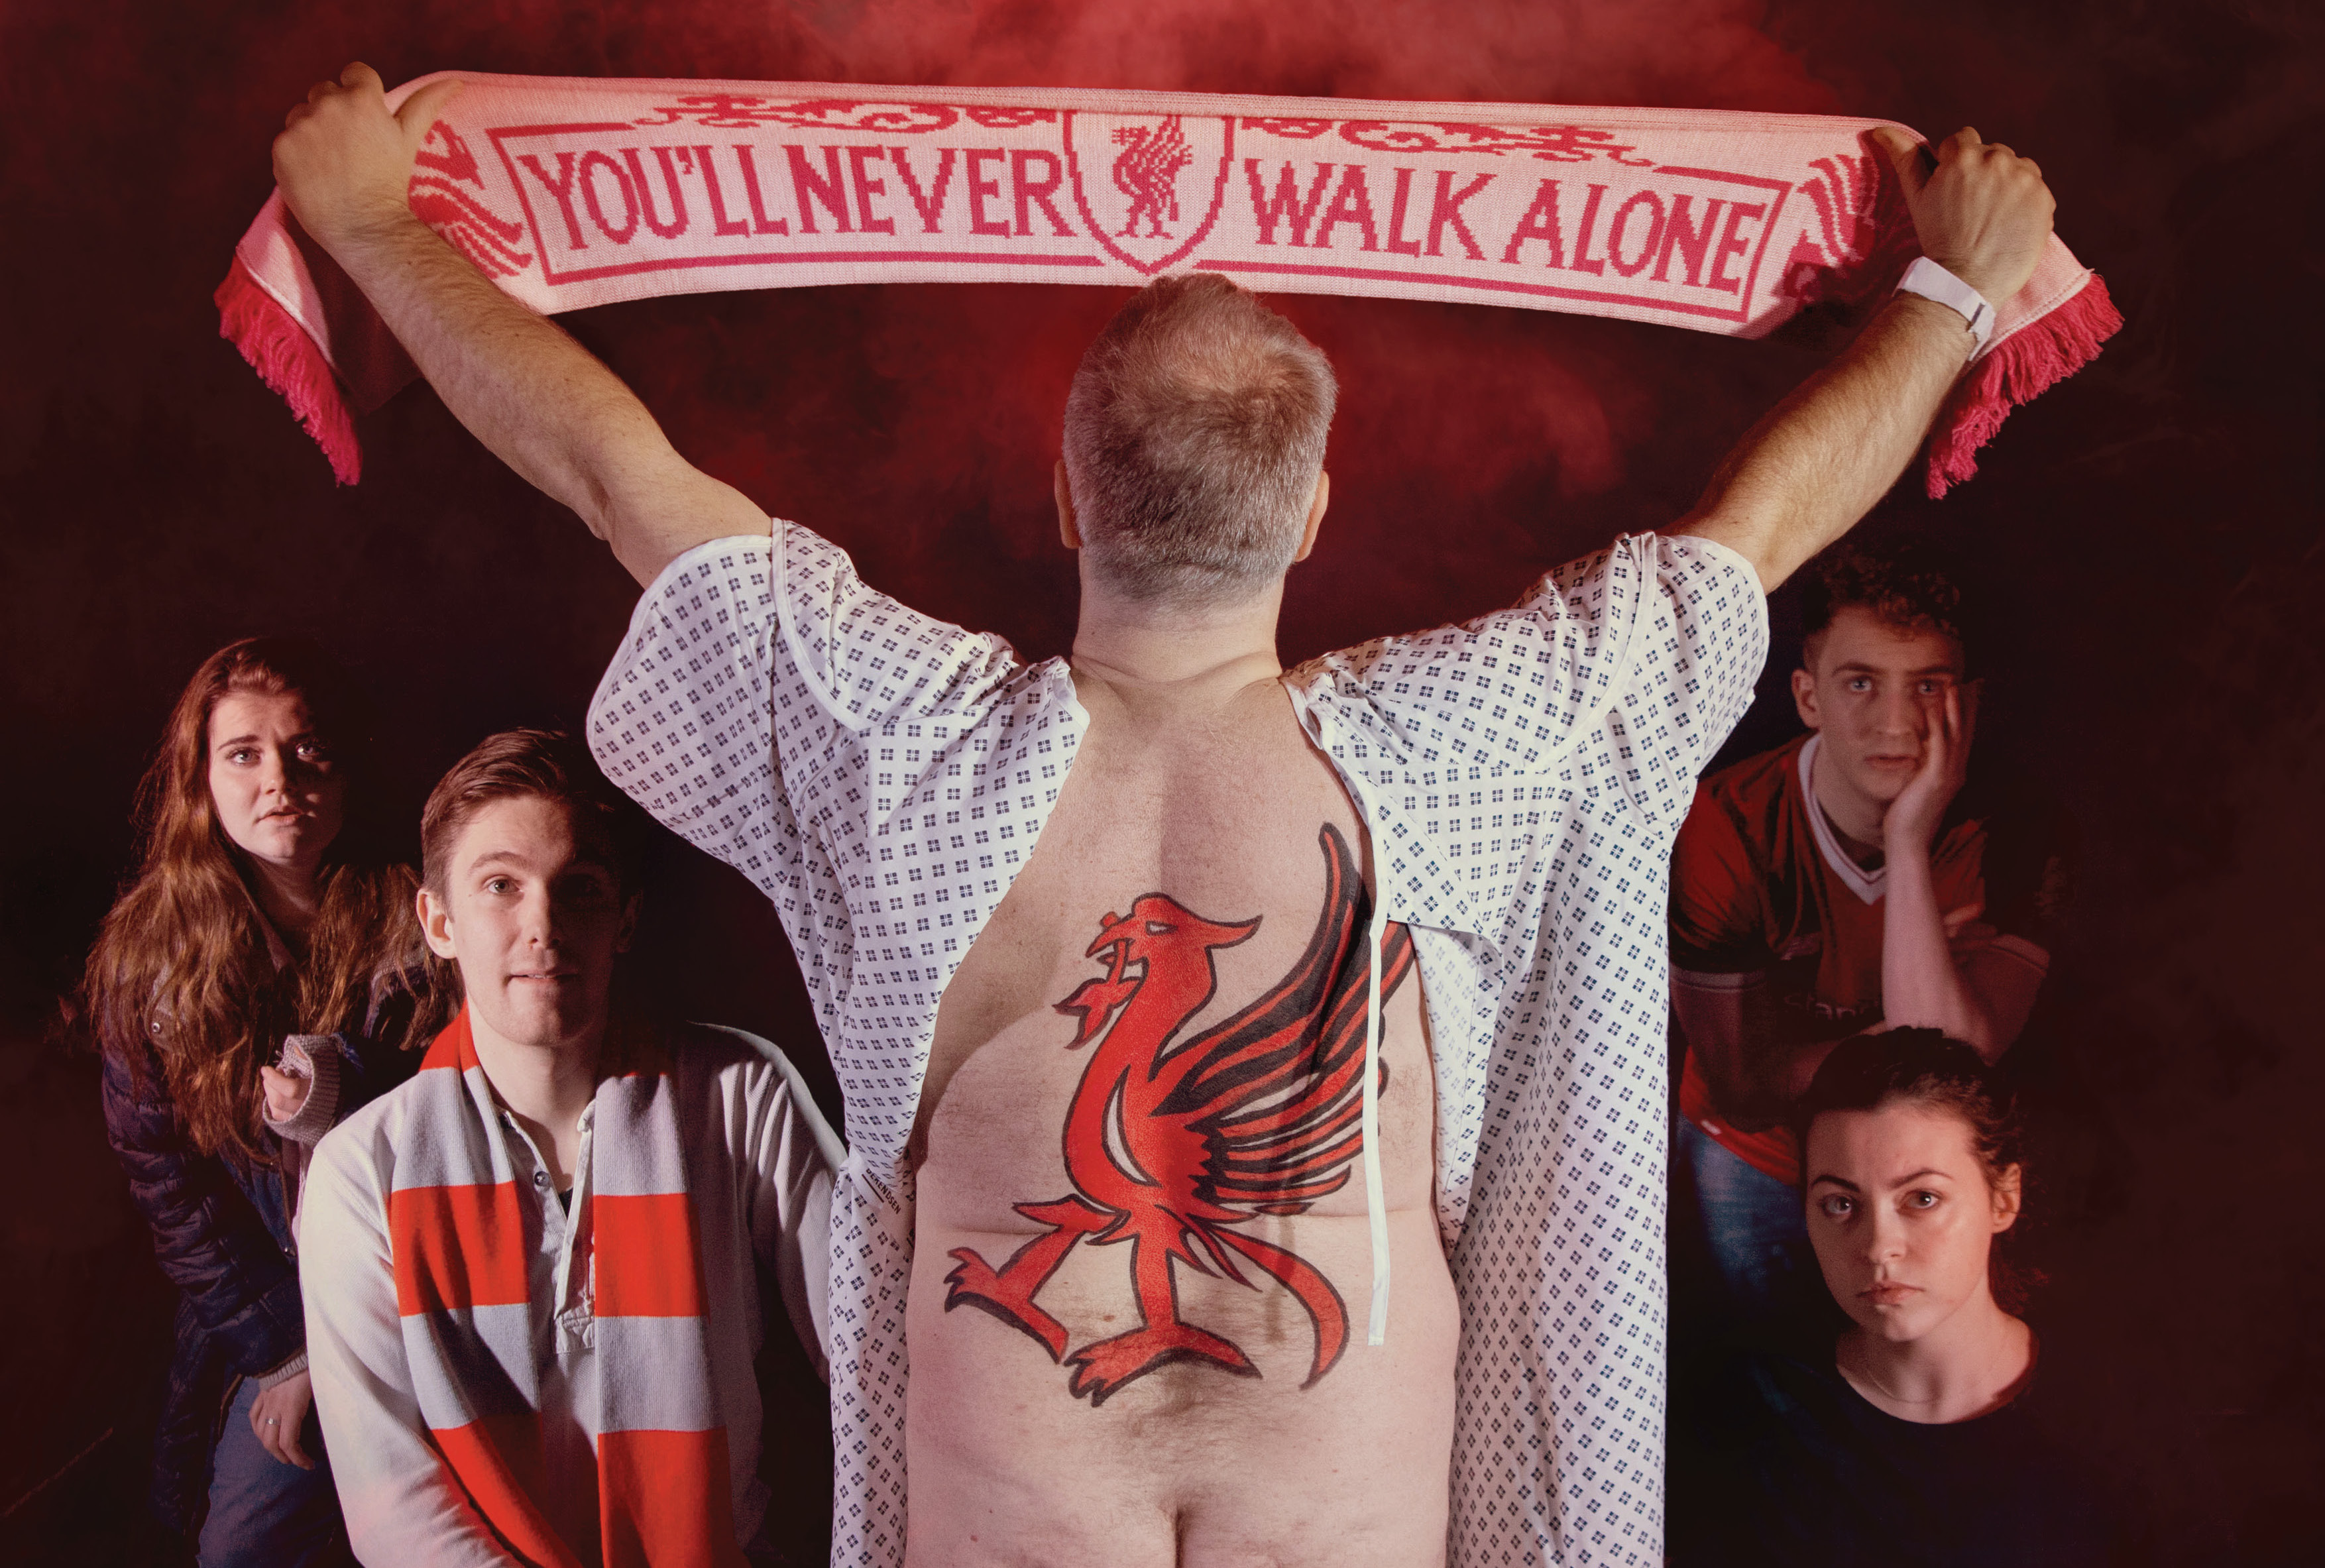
(1902, 1217)
(1877, 695)
(533, 917)
(1913, 818)
(277, 792)
(343, 161)
(1980, 211)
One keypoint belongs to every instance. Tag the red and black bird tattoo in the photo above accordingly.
(1169, 1145)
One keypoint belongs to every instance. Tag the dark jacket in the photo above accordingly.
(222, 1234)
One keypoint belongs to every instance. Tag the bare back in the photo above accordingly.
(1142, 1264)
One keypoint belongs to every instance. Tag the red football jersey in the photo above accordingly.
(1762, 889)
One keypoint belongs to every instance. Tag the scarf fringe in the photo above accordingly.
(2043, 353)
(276, 347)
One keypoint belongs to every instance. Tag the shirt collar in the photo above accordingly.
(1866, 884)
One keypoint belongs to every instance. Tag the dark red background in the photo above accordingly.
(2148, 535)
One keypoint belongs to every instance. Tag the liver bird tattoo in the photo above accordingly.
(1169, 1145)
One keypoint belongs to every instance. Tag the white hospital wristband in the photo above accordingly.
(1933, 282)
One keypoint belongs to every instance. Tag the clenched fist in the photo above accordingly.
(343, 160)
(1981, 212)
(282, 1093)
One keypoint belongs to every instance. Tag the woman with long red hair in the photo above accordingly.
(267, 939)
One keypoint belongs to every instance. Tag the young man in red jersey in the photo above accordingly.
(1833, 885)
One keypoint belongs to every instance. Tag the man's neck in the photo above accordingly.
(1155, 659)
(545, 1087)
(1855, 819)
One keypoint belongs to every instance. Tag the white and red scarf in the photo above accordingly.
(577, 191)
(456, 1233)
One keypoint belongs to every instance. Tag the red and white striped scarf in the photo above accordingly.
(576, 191)
(456, 1233)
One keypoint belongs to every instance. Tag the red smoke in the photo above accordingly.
(1703, 53)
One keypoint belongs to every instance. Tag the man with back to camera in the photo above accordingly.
(1835, 884)
(538, 1274)
(1104, 948)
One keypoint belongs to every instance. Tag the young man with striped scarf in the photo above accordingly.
(538, 1274)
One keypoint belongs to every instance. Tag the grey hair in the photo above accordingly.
(1194, 434)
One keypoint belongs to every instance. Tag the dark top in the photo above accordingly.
(1782, 1462)
(222, 1234)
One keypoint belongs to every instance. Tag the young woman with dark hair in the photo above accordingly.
(264, 938)
(1918, 1435)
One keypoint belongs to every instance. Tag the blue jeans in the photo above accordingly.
(1748, 1228)
(264, 1513)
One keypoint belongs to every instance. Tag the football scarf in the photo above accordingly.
(457, 1236)
(575, 191)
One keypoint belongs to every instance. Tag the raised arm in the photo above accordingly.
(1822, 457)
(545, 404)
(1932, 975)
